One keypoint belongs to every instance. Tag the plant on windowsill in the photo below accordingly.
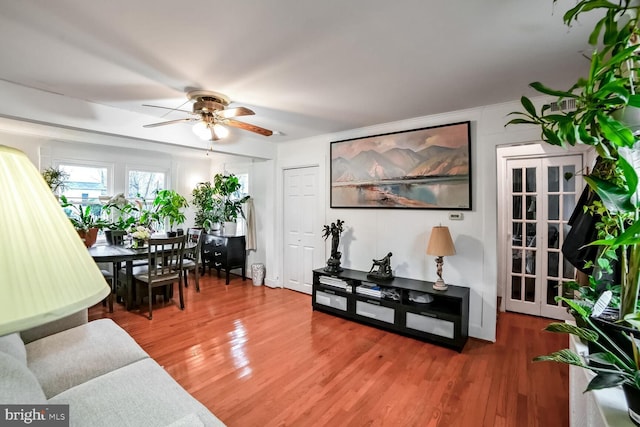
(612, 365)
(226, 189)
(122, 212)
(85, 222)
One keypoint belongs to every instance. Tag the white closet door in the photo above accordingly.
(302, 228)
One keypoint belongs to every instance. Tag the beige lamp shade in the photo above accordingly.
(440, 243)
(46, 272)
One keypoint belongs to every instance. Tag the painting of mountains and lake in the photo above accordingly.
(426, 168)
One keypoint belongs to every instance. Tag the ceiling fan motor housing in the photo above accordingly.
(207, 106)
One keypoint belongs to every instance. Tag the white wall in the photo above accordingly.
(371, 233)
(261, 191)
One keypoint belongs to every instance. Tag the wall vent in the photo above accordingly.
(564, 105)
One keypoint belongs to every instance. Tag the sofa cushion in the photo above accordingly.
(76, 355)
(18, 384)
(54, 327)
(12, 344)
(137, 395)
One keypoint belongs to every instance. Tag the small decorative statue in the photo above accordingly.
(381, 268)
(334, 230)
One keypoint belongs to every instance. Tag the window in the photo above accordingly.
(145, 184)
(243, 179)
(85, 185)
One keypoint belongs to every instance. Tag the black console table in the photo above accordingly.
(223, 253)
(443, 320)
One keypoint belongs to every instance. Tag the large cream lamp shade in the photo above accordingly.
(46, 272)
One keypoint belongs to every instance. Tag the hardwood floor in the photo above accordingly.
(257, 356)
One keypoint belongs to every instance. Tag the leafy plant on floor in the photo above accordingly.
(168, 205)
(226, 188)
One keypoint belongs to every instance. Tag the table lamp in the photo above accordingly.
(46, 272)
(440, 245)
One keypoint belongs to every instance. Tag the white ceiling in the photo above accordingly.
(306, 67)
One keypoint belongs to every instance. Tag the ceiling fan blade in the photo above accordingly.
(167, 108)
(170, 122)
(234, 112)
(249, 127)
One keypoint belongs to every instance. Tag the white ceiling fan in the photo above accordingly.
(211, 116)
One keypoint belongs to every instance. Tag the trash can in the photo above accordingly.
(257, 274)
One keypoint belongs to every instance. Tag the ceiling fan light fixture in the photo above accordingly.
(220, 131)
(202, 130)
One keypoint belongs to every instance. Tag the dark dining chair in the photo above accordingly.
(164, 267)
(110, 278)
(191, 259)
(116, 237)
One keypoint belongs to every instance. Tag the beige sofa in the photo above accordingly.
(99, 371)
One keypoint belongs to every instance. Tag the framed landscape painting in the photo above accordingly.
(428, 168)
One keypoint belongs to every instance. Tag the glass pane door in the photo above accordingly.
(525, 181)
(562, 192)
(542, 195)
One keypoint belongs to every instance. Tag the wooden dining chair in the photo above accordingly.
(191, 259)
(116, 238)
(110, 278)
(164, 267)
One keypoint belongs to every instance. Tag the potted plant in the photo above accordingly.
(122, 212)
(168, 205)
(226, 188)
(84, 220)
(612, 365)
(599, 121)
(55, 178)
(207, 206)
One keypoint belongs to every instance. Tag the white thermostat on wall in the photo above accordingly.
(456, 215)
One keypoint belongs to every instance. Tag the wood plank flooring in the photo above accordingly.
(257, 356)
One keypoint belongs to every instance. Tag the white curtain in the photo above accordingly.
(251, 227)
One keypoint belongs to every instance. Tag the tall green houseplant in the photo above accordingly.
(226, 188)
(603, 101)
(207, 206)
(168, 205)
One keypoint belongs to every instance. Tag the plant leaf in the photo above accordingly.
(603, 358)
(615, 131)
(548, 91)
(567, 328)
(605, 380)
(616, 199)
(562, 356)
(629, 161)
(528, 105)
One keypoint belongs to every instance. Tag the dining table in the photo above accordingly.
(125, 254)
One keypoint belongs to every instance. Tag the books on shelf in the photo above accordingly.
(334, 282)
(370, 289)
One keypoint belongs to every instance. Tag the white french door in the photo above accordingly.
(542, 194)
